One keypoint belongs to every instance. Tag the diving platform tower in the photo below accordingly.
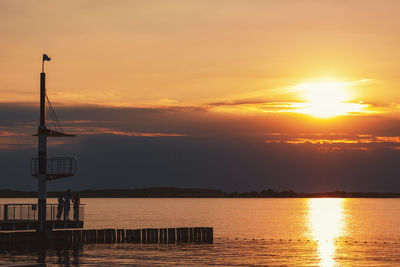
(42, 167)
(43, 216)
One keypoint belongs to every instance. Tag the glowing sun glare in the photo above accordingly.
(327, 224)
(327, 99)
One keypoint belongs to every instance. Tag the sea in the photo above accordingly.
(247, 232)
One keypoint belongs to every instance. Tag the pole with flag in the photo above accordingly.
(45, 58)
(42, 149)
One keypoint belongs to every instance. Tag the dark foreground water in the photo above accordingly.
(294, 232)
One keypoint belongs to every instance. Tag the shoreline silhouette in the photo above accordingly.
(176, 192)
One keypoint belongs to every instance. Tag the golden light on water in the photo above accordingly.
(326, 225)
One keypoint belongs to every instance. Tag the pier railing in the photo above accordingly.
(29, 212)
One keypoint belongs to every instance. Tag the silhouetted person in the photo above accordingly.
(67, 202)
(60, 207)
(76, 200)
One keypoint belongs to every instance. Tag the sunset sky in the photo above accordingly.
(237, 95)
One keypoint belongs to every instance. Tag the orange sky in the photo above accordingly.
(185, 53)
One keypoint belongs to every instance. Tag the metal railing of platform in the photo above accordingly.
(56, 167)
(29, 212)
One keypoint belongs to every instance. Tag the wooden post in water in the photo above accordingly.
(156, 235)
(123, 235)
(209, 235)
(185, 237)
(88, 236)
(203, 235)
(118, 240)
(182, 235)
(147, 236)
(80, 236)
(149, 239)
(84, 234)
(128, 233)
(100, 236)
(107, 236)
(137, 236)
(178, 235)
(114, 235)
(171, 235)
(165, 235)
(161, 237)
(93, 236)
(191, 235)
(110, 235)
(144, 236)
(152, 235)
(197, 235)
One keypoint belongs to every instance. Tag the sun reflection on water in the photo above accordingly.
(326, 225)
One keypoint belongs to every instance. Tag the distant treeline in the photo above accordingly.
(174, 192)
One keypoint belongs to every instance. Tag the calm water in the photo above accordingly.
(295, 232)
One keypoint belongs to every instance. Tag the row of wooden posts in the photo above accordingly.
(183, 235)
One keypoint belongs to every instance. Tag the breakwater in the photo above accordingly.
(57, 238)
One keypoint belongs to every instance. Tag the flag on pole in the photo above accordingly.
(46, 57)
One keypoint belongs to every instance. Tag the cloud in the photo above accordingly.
(336, 141)
(195, 147)
(102, 131)
(293, 99)
(7, 133)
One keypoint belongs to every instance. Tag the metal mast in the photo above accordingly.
(42, 147)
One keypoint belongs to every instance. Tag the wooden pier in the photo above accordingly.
(68, 238)
(15, 217)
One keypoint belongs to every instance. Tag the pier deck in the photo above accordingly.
(33, 225)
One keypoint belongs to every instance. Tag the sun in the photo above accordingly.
(327, 99)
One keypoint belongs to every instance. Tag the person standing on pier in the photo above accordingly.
(67, 202)
(76, 200)
(60, 207)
